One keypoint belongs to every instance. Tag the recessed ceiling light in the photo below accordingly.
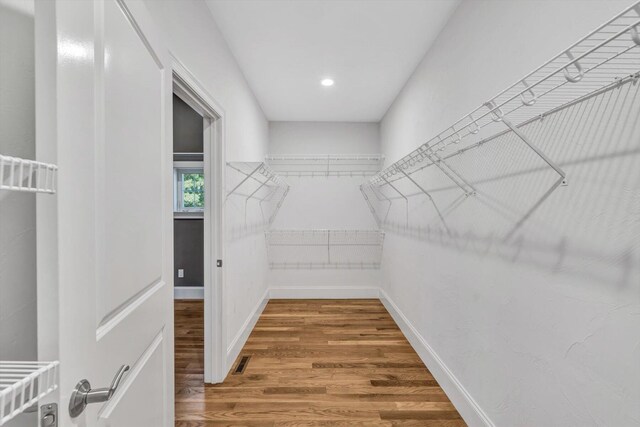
(327, 82)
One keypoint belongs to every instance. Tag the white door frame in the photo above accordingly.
(187, 87)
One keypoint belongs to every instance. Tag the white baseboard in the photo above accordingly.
(459, 396)
(235, 346)
(324, 292)
(188, 292)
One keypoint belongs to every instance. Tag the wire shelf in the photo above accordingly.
(324, 249)
(605, 59)
(18, 174)
(510, 181)
(259, 191)
(23, 384)
(326, 165)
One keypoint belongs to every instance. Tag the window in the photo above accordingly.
(189, 189)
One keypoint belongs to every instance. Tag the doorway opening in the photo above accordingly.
(188, 201)
(198, 166)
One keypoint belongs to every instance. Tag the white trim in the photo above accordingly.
(188, 292)
(187, 85)
(188, 215)
(188, 164)
(235, 346)
(115, 317)
(324, 292)
(459, 396)
(179, 169)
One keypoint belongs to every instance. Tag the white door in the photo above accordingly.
(104, 241)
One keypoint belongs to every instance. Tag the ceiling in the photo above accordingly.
(369, 47)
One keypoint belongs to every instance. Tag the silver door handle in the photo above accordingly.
(82, 395)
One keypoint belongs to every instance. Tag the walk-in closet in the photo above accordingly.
(316, 213)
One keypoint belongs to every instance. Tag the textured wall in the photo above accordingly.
(542, 330)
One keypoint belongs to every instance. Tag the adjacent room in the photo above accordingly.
(289, 213)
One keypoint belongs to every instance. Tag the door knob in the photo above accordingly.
(82, 395)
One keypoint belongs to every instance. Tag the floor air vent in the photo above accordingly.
(242, 365)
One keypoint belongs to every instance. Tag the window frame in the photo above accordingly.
(181, 168)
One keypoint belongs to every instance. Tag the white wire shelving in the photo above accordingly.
(603, 60)
(324, 165)
(23, 384)
(324, 249)
(256, 184)
(18, 174)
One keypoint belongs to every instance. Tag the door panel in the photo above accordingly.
(112, 215)
(131, 164)
(141, 401)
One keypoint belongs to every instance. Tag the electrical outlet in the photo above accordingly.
(181, 273)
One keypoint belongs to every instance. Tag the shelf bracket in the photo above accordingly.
(560, 181)
(278, 206)
(373, 211)
(381, 197)
(428, 195)
(438, 161)
(531, 145)
(634, 30)
(401, 195)
(244, 180)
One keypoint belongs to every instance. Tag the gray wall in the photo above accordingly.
(188, 243)
(187, 128)
(18, 331)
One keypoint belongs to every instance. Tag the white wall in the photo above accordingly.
(193, 38)
(18, 321)
(537, 335)
(306, 138)
(323, 202)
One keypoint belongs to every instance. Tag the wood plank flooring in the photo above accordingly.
(313, 363)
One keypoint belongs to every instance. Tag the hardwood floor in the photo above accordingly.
(313, 363)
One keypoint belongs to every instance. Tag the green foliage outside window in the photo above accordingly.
(193, 190)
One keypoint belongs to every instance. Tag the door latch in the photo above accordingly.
(219, 263)
(49, 415)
